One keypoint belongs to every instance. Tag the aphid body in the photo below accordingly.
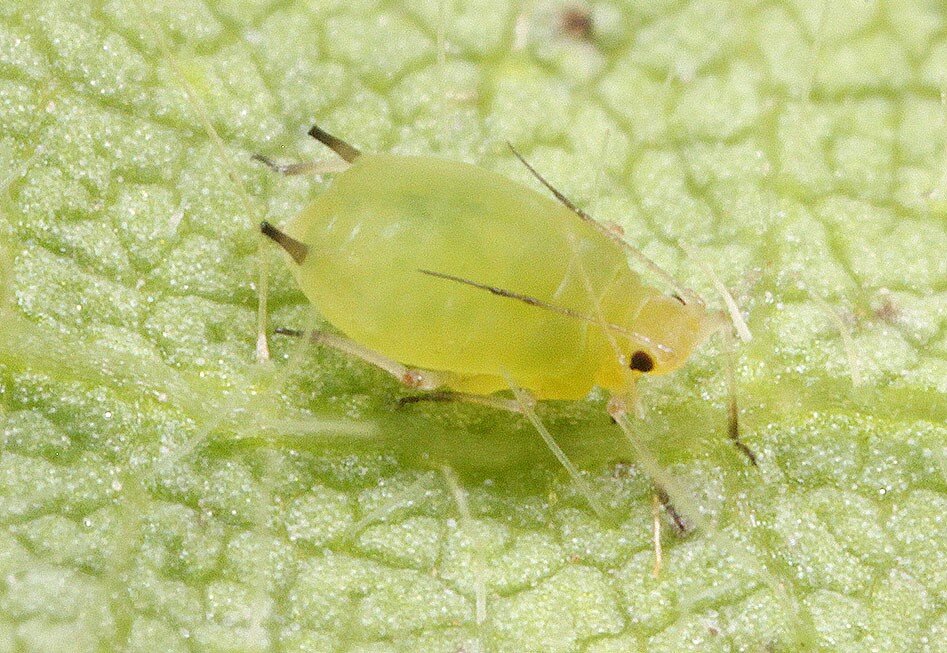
(386, 243)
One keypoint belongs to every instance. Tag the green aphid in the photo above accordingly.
(461, 282)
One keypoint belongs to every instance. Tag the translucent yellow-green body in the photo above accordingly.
(389, 216)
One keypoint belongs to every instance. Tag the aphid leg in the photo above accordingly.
(637, 405)
(489, 401)
(527, 405)
(348, 152)
(618, 409)
(656, 530)
(659, 500)
(301, 167)
(664, 485)
(523, 404)
(408, 376)
(733, 408)
(672, 512)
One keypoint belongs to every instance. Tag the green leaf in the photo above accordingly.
(161, 490)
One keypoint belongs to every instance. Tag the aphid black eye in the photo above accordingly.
(641, 361)
(679, 298)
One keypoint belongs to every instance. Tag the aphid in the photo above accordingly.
(460, 282)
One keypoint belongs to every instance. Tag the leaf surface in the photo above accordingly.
(161, 490)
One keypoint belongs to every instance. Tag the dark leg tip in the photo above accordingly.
(748, 453)
(417, 399)
(407, 401)
(683, 528)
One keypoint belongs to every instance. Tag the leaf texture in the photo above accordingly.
(162, 490)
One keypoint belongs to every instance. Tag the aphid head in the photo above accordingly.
(669, 331)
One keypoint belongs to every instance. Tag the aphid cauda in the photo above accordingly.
(461, 282)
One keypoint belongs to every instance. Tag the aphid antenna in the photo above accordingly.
(346, 151)
(845, 332)
(561, 310)
(599, 172)
(597, 306)
(642, 258)
(193, 99)
(733, 311)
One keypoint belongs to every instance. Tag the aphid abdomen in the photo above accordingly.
(387, 217)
